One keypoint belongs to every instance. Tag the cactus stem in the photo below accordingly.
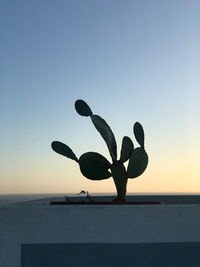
(120, 179)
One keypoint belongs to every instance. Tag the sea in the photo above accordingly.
(16, 198)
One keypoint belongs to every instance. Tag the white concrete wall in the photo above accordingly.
(40, 223)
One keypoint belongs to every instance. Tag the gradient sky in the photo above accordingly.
(131, 61)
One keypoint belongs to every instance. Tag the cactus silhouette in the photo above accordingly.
(96, 167)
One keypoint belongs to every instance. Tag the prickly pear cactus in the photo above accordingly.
(96, 167)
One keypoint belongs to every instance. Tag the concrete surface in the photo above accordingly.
(37, 222)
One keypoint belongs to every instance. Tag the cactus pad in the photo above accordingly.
(138, 163)
(107, 134)
(139, 133)
(127, 149)
(64, 150)
(82, 108)
(94, 166)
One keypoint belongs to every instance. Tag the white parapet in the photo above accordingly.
(38, 222)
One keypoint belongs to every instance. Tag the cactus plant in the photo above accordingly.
(96, 167)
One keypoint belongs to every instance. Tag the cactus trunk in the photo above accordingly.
(120, 179)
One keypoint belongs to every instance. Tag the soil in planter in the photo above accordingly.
(105, 203)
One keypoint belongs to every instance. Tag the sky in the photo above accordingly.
(131, 61)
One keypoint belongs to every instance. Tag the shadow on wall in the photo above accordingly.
(184, 254)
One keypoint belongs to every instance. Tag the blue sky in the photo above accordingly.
(129, 60)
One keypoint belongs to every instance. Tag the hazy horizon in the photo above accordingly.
(103, 193)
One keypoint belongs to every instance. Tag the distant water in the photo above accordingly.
(16, 198)
(12, 198)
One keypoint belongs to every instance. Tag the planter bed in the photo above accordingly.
(105, 203)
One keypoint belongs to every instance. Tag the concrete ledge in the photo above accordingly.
(38, 222)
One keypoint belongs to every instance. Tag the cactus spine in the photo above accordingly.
(96, 167)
